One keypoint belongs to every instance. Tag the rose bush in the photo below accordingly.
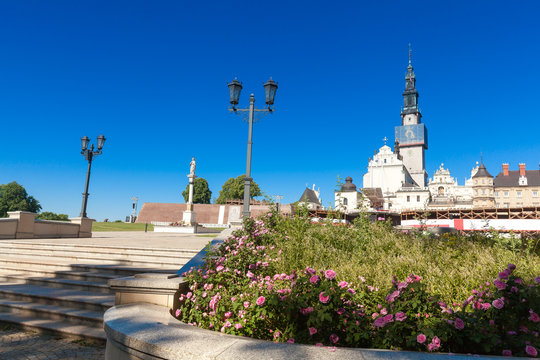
(239, 291)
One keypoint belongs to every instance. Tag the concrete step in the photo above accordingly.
(21, 278)
(95, 259)
(55, 326)
(97, 248)
(52, 312)
(54, 296)
(67, 274)
(49, 264)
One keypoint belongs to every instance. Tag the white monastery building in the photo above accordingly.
(397, 180)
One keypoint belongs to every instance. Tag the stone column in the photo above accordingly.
(188, 217)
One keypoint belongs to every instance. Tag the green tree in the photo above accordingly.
(201, 192)
(233, 189)
(13, 197)
(47, 215)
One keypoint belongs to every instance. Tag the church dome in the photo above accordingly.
(348, 186)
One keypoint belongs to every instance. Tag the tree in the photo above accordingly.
(13, 197)
(233, 189)
(201, 192)
(47, 215)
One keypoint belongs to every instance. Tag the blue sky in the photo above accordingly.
(152, 77)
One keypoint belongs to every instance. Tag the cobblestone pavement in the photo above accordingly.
(18, 344)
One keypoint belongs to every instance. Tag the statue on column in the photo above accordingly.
(189, 214)
(192, 166)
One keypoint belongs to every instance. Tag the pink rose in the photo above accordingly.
(501, 285)
(534, 316)
(237, 326)
(178, 312)
(507, 353)
(390, 298)
(334, 338)
(324, 299)
(486, 306)
(260, 300)
(330, 274)
(340, 311)
(312, 331)
(498, 304)
(343, 284)
(228, 314)
(379, 322)
(421, 338)
(400, 316)
(459, 324)
(246, 304)
(291, 341)
(530, 350)
(314, 279)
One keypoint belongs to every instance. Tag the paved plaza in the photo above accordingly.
(16, 343)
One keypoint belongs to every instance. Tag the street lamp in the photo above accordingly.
(89, 154)
(250, 115)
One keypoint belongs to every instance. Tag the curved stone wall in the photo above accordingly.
(146, 331)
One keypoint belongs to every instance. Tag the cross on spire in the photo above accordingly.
(385, 139)
(410, 50)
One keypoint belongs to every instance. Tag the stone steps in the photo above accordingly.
(49, 264)
(62, 287)
(52, 312)
(95, 258)
(56, 296)
(96, 252)
(55, 326)
(20, 278)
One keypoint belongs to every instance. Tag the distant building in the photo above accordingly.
(520, 188)
(397, 180)
(311, 199)
(348, 199)
(446, 193)
(483, 188)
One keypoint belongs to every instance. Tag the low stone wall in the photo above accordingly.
(23, 225)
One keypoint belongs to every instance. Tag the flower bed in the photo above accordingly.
(241, 292)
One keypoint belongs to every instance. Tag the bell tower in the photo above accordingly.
(412, 134)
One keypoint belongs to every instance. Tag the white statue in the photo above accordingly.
(192, 167)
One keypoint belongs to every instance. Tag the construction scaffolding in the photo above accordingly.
(532, 212)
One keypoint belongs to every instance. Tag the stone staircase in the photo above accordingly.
(62, 287)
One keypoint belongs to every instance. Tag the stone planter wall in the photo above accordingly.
(23, 225)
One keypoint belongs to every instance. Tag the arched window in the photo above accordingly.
(441, 190)
(345, 201)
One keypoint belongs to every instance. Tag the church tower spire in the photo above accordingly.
(412, 134)
(410, 95)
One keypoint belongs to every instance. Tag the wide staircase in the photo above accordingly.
(62, 287)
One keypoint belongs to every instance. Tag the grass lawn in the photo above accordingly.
(120, 226)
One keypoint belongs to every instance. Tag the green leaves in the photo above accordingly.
(233, 189)
(13, 197)
(201, 192)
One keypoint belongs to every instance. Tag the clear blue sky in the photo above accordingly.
(152, 77)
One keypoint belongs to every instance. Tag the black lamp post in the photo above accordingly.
(253, 115)
(89, 154)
